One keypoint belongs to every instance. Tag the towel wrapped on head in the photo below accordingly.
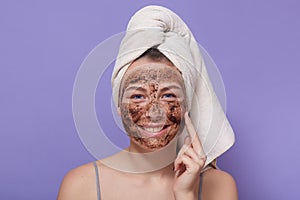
(155, 26)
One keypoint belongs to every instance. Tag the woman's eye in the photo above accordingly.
(168, 96)
(137, 97)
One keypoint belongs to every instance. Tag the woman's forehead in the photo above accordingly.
(153, 71)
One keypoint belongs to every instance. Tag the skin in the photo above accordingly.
(182, 182)
(152, 96)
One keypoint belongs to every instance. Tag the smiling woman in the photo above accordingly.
(155, 90)
(152, 101)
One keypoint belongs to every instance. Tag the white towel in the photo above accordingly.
(155, 26)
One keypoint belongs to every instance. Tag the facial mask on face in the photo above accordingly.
(152, 104)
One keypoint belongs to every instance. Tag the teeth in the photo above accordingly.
(152, 130)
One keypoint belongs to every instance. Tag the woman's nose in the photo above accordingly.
(155, 112)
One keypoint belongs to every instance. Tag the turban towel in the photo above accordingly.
(159, 27)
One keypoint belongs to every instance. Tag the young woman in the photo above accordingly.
(152, 89)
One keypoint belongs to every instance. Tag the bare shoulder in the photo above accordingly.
(78, 182)
(218, 184)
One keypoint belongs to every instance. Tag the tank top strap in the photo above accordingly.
(97, 181)
(200, 186)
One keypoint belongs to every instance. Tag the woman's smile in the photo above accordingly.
(153, 131)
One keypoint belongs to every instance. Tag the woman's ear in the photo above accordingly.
(119, 110)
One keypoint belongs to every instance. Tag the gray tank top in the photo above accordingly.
(98, 183)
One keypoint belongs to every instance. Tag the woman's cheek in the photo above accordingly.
(135, 111)
(124, 114)
(174, 112)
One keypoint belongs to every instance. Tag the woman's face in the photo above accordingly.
(152, 103)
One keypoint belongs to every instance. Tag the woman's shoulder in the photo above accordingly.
(80, 174)
(218, 184)
(77, 182)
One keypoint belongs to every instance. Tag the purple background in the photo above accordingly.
(254, 43)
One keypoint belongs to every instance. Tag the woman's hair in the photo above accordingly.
(155, 55)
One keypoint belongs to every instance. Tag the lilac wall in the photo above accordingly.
(254, 43)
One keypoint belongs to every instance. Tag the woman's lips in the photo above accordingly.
(153, 131)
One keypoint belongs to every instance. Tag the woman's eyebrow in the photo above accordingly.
(170, 87)
(134, 87)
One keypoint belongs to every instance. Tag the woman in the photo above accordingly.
(157, 75)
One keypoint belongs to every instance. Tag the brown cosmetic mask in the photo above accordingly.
(152, 104)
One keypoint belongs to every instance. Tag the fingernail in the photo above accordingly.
(176, 173)
(187, 140)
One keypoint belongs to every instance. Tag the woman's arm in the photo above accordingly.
(70, 187)
(77, 184)
(217, 185)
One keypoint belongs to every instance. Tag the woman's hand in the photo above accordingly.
(188, 165)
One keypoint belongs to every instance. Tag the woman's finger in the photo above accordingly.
(187, 165)
(195, 141)
(184, 147)
(178, 164)
(190, 152)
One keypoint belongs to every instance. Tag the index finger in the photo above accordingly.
(195, 140)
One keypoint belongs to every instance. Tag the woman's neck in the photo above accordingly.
(137, 160)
